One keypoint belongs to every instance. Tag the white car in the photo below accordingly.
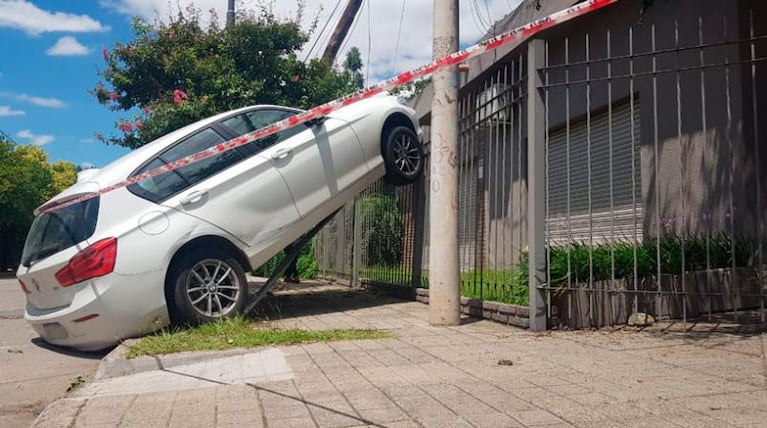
(176, 247)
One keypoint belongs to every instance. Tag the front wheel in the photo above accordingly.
(207, 285)
(403, 156)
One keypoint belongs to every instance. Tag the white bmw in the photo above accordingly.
(176, 247)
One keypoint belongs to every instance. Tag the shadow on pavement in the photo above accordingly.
(70, 352)
(313, 298)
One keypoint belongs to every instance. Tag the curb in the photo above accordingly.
(116, 364)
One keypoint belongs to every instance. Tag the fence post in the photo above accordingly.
(419, 229)
(356, 242)
(536, 214)
(340, 243)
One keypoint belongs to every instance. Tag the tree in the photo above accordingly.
(26, 182)
(63, 175)
(178, 72)
(353, 65)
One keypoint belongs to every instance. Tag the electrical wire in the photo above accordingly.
(474, 16)
(319, 36)
(370, 44)
(399, 35)
(489, 16)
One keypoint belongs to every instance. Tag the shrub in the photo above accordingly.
(306, 264)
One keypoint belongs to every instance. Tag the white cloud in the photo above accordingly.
(384, 18)
(34, 139)
(8, 111)
(38, 101)
(67, 46)
(26, 16)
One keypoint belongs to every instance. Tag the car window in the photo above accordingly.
(164, 185)
(60, 229)
(253, 120)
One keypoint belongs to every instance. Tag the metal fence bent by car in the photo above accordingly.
(517, 34)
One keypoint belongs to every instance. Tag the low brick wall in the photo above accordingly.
(501, 312)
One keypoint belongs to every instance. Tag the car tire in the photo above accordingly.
(206, 285)
(403, 156)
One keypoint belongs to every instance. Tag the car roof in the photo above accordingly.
(120, 168)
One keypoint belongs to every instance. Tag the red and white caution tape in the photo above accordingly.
(516, 35)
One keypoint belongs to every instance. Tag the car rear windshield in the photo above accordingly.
(60, 229)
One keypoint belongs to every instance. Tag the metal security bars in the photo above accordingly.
(653, 167)
(613, 167)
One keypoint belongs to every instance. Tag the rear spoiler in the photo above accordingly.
(78, 190)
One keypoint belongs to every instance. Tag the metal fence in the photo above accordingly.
(619, 157)
(373, 238)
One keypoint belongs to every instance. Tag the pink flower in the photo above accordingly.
(105, 54)
(139, 124)
(179, 97)
(113, 96)
(296, 79)
(125, 126)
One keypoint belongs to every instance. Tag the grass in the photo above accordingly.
(505, 286)
(239, 333)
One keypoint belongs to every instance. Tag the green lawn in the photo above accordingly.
(239, 333)
(505, 286)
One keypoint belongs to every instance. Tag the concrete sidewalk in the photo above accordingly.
(480, 374)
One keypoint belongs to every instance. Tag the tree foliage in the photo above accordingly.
(353, 66)
(176, 72)
(26, 181)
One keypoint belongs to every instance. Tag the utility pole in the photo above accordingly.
(230, 13)
(444, 274)
(342, 29)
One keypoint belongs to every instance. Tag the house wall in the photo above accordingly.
(689, 182)
(698, 175)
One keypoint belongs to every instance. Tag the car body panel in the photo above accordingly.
(318, 163)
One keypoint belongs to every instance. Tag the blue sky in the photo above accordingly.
(51, 53)
(52, 90)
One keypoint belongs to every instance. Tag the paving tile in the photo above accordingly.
(535, 417)
(243, 418)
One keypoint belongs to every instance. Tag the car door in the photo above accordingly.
(234, 190)
(318, 161)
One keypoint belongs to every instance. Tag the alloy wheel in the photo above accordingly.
(213, 288)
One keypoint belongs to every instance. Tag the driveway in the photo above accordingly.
(31, 374)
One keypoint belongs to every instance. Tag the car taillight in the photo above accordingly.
(24, 287)
(92, 262)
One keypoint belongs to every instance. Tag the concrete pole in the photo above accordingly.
(444, 274)
(536, 187)
(230, 13)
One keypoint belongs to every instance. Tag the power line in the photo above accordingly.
(399, 34)
(489, 16)
(324, 27)
(474, 16)
(370, 44)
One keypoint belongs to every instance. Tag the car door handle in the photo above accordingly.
(194, 197)
(281, 154)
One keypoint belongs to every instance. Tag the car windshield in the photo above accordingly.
(60, 229)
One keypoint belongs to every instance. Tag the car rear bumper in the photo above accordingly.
(107, 310)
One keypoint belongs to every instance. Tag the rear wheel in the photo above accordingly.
(403, 156)
(207, 285)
